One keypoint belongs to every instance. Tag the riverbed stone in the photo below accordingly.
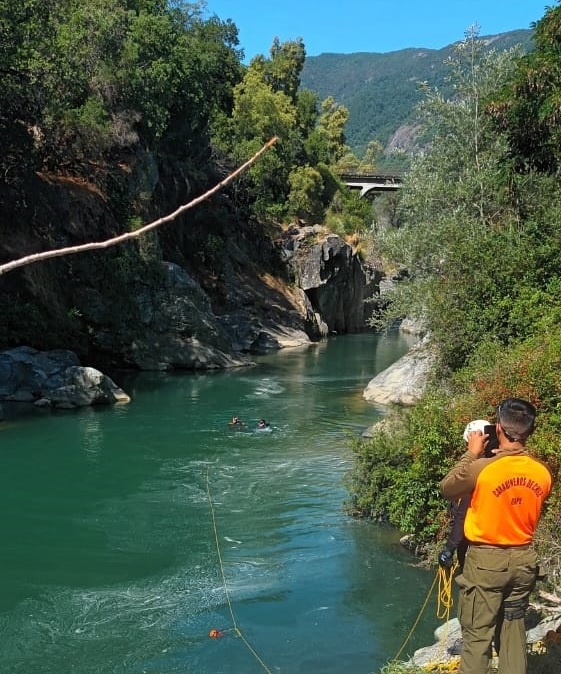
(54, 378)
(403, 382)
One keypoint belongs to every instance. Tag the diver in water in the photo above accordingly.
(236, 423)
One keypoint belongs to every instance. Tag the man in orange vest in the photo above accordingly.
(500, 570)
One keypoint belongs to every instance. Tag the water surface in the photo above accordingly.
(130, 532)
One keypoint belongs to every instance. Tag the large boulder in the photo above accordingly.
(54, 378)
(403, 382)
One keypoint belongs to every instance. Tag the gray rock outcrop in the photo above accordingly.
(403, 382)
(54, 379)
(174, 326)
(171, 323)
(333, 277)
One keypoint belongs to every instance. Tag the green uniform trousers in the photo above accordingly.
(495, 586)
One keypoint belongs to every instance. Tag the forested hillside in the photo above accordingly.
(115, 112)
(380, 91)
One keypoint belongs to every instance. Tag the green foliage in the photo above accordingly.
(396, 473)
(307, 112)
(481, 242)
(528, 108)
(347, 213)
(402, 668)
(285, 65)
(16, 314)
(306, 193)
(148, 243)
(213, 254)
(331, 128)
(259, 114)
(472, 262)
(293, 178)
(381, 91)
(87, 77)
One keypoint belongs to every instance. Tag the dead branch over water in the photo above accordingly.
(59, 252)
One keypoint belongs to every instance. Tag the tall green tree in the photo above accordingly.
(267, 104)
(331, 128)
(22, 23)
(259, 114)
(89, 77)
(528, 109)
(285, 66)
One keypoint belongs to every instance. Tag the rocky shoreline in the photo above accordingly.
(53, 379)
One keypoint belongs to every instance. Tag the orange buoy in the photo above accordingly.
(215, 634)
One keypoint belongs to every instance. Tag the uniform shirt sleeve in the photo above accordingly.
(460, 480)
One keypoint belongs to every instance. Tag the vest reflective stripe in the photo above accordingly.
(507, 500)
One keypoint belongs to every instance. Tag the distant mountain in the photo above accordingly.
(380, 91)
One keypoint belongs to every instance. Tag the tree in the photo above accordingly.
(528, 108)
(88, 77)
(461, 241)
(285, 66)
(21, 23)
(305, 199)
(331, 128)
(267, 104)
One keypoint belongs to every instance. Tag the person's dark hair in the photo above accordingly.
(517, 418)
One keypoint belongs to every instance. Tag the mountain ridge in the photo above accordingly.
(381, 90)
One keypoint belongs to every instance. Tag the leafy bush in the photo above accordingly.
(348, 213)
(396, 473)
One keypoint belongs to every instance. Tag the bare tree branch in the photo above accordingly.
(36, 257)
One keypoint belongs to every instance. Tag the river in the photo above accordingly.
(130, 532)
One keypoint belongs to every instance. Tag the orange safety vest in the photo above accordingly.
(507, 501)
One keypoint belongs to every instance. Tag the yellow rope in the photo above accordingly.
(445, 603)
(234, 623)
(396, 656)
(445, 600)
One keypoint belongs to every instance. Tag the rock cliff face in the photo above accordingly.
(333, 277)
(206, 292)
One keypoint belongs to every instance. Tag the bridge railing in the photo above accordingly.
(367, 175)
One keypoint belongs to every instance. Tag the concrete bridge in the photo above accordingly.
(371, 182)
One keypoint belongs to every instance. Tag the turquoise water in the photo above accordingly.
(130, 532)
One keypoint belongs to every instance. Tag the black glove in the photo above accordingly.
(446, 559)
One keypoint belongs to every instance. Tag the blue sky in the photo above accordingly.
(348, 26)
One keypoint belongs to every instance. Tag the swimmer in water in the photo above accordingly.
(262, 425)
(237, 422)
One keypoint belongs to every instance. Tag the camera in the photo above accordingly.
(492, 440)
(446, 558)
